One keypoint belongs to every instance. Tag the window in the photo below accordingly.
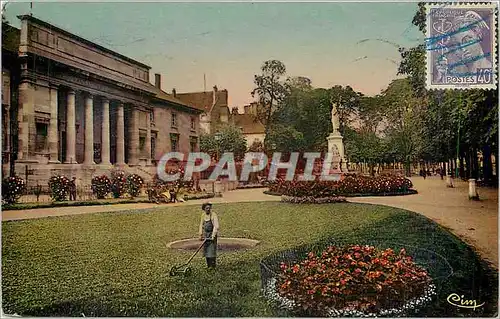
(153, 146)
(193, 124)
(174, 119)
(193, 143)
(174, 142)
(41, 137)
(142, 142)
(152, 118)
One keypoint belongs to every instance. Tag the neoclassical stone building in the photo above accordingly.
(72, 107)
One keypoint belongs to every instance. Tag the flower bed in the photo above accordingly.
(351, 280)
(134, 185)
(349, 186)
(118, 183)
(12, 189)
(312, 200)
(101, 186)
(59, 187)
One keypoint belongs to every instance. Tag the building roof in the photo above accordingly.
(10, 38)
(165, 97)
(205, 100)
(74, 36)
(201, 100)
(249, 123)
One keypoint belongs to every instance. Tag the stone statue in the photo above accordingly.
(335, 118)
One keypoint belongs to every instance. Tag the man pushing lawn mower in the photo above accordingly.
(209, 226)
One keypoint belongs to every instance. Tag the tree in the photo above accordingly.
(457, 124)
(228, 139)
(270, 90)
(284, 139)
(347, 101)
(404, 111)
(307, 110)
(364, 145)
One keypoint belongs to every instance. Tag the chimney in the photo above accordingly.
(158, 80)
(174, 92)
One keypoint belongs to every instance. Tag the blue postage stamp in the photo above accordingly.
(461, 46)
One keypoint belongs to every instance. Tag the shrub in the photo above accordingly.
(59, 187)
(118, 183)
(12, 189)
(134, 185)
(362, 279)
(101, 186)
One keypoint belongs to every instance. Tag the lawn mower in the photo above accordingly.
(176, 270)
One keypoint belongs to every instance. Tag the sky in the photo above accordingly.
(228, 42)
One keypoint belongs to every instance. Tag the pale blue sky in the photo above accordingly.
(229, 41)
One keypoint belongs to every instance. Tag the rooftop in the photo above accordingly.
(83, 40)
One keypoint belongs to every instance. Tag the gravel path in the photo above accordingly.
(476, 222)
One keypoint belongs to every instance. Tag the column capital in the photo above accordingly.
(88, 95)
(105, 100)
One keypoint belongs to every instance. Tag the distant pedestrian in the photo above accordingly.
(72, 189)
(441, 173)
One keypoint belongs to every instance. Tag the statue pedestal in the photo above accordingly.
(335, 144)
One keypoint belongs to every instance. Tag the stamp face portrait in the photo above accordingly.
(461, 46)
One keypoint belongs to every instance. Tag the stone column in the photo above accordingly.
(89, 130)
(120, 136)
(71, 128)
(105, 145)
(148, 138)
(134, 137)
(53, 131)
(25, 120)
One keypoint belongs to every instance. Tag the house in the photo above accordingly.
(214, 105)
(251, 126)
(73, 107)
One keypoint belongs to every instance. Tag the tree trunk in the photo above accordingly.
(408, 168)
(487, 172)
(461, 169)
(467, 164)
(475, 162)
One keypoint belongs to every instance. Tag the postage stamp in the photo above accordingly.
(461, 46)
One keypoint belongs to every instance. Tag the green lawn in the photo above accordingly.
(116, 264)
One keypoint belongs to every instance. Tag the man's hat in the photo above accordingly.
(205, 205)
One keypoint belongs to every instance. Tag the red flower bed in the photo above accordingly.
(349, 185)
(358, 278)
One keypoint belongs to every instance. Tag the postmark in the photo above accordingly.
(461, 46)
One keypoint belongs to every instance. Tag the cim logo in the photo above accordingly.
(459, 301)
